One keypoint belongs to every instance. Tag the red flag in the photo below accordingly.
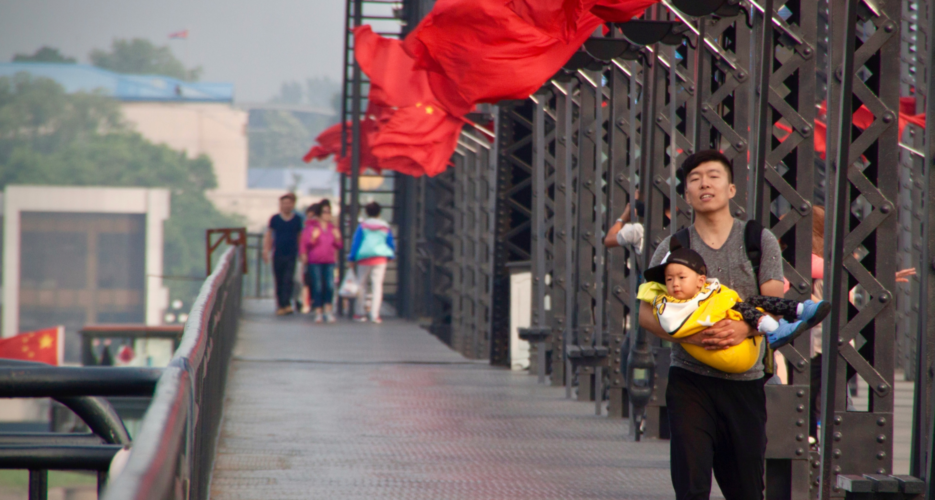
(620, 11)
(415, 133)
(917, 120)
(44, 346)
(417, 139)
(179, 34)
(821, 139)
(863, 118)
(329, 143)
(484, 51)
(907, 105)
(394, 79)
(554, 17)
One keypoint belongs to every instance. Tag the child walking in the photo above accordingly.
(371, 249)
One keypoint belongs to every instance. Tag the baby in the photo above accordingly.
(685, 302)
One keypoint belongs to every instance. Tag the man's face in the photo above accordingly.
(708, 187)
(683, 283)
(286, 205)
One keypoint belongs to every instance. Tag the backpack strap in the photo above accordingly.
(752, 236)
(681, 239)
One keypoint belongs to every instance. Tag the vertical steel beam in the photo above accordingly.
(514, 198)
(784, 172)
(563, 239)
(621, 275)
(588, 324)
(648, 419)
(461, 339)
(763, 125)
(543, 209)
(355, 130)
(861, 238)
(923, 432)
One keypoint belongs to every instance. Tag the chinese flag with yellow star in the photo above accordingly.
(44, 346)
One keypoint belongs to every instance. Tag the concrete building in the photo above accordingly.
(75, 256)
(197, 118)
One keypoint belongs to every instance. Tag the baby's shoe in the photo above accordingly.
(786, 333)
(814, 312)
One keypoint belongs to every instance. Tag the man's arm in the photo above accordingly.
(267, 244)
(610, 241)
(772, 288)
(649, 322)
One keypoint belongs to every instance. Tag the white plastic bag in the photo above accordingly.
(350, 286)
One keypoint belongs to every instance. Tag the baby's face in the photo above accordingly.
(683, 283)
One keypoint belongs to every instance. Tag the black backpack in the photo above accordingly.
(752, 234)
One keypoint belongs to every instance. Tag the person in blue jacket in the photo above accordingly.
(371, 248)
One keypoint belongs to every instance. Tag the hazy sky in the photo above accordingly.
(256, 45)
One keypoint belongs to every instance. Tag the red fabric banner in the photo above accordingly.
(463, 53)
(44, 346)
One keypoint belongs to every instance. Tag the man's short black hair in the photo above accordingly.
(373, 209)
(693, 161)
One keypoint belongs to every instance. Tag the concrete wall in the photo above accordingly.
(520, 317)
(153, 203)
(216, 130)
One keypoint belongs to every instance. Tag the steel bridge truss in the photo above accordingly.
(758, 107)
(568, 161)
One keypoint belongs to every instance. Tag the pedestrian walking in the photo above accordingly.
(317, 246)
(717, 420)
(306, 291)
(281, 245)
(371, 249)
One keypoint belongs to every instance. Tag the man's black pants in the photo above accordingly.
(284, 274)
(718, 425)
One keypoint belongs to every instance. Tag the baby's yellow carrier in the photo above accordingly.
(683, 318)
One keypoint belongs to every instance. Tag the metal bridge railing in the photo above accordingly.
(80, 390)
(173, 455)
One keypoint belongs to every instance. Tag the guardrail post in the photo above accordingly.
(38, 484)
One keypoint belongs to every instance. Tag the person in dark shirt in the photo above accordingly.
(281, 245)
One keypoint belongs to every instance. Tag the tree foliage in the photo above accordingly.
(48, 137)
(277, 139)
(45, 54)
(141, 57)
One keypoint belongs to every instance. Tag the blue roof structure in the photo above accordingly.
(86, 78)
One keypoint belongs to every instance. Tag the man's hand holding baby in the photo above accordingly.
(724, 334)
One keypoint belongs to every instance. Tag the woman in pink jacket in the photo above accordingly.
(317, 245)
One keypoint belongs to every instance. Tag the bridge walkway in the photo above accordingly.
(361, 411)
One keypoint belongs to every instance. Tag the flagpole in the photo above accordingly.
(355, 130)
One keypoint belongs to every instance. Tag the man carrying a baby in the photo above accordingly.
(717, 419)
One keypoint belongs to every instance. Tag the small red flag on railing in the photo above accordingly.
(45, 346)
